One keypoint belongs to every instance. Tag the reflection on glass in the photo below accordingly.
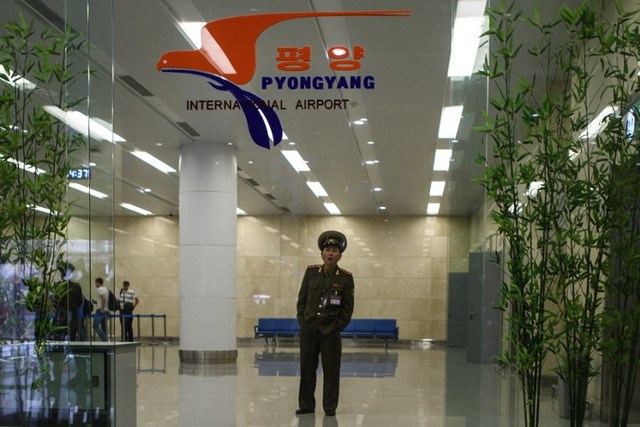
(73, 390)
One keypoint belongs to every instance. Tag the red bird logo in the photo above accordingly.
(228, 58)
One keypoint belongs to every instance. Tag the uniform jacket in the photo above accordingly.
(325, 301)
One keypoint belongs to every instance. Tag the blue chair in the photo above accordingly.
(364, 328)
(386, 328)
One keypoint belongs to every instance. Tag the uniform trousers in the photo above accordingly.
(329, 348)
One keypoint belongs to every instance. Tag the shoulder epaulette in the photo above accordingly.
(309, 267)
(347, 272)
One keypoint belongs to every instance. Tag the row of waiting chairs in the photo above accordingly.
(278, 327)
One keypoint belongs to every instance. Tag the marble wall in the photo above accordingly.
(400, 266)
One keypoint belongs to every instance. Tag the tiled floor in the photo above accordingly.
(406, 385)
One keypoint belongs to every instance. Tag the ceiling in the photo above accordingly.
(406, 55)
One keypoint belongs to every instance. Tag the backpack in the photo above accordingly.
(87, 307)
(112, 304)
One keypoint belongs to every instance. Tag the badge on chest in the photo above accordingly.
(334, 298)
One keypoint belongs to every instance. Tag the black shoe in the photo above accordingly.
(331, 413)
(302, 411)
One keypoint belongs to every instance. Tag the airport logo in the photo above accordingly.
(227, 60)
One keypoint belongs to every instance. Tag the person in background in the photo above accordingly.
(128, 302)
(68, 297)
(324, 308)
(102, 311)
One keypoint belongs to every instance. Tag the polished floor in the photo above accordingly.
(411, 384)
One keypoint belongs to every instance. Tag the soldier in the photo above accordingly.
(324, 308)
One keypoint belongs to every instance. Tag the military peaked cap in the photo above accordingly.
(332, 238)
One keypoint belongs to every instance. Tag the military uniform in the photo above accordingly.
(324, 308)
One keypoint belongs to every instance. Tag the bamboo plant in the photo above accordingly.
(555, 181)
(35, 157)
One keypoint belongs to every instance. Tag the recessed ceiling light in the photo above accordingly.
(372, 162)
(89, 127)
(158, 144)
(24, 166)
(135, 209)
(437, 188)
(250, 162)
(376, 189)
(358, 122)
(317, 188)
(40, 209)
(450, 121)
(240, 212)
(292, 143)
(92, 164)
(332, 208)
(383, 208)
(467, 29)
(433, 208)
(87, 190)
(296, 160)
(442, 159)
(370, 143)
(153, 161)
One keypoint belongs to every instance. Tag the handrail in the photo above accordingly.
(137, 316)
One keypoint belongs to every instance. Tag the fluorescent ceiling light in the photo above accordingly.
(598, 123)
(24, 166)
(240, 212)
(135, 209)
(449, 122)
(83, 124)
(201, 39)
(437, 188)
(467, 29)
(87, 190)
(16, 80)
(156, 163)
(191, 30)
(332, 208)
(433, 208)
(40, 209)
(296, 160)
(317, 188)
(442, 159)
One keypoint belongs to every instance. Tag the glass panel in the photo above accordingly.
(72, 382)
(473, 386)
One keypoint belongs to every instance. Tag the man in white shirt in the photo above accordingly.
(102, 310)
(128, 302)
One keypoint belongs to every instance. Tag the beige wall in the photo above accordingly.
(400, 267)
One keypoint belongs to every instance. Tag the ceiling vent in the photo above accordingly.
(47, 13)
(135, 85)
(188, 129)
